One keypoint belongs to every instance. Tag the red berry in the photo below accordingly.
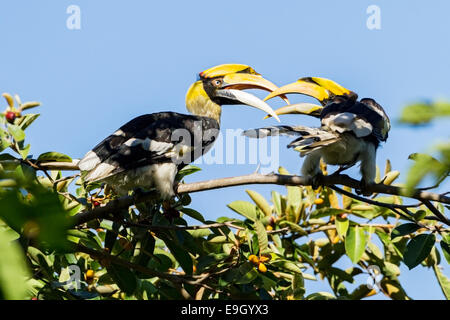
(96, 203)
(10, 116)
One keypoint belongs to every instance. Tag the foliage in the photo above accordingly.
(425, 165)
(422, 113)
(271, 251)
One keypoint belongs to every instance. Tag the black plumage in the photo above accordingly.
(158, 127)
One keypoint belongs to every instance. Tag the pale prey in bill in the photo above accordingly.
(148, 151)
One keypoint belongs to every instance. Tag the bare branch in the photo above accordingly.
(254, 178)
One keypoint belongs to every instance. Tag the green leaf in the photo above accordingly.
(342, 225)
(444, 282)
(244, 208)
(124, 278)
(294, 197)
(23, 151)
(298, 286)
(29, 105)
(193, 214)
(276, 200)
(181, 255)
(247, 276)
(147, 246)
(187, 170)
(424, 165)
(26, 120)
(355, 243)
(446, 249)
(262, 236)
(17, 133)
(359, 293)
(404, 229)
(42, 219)
(418, 249)
(294, 227)
(260, 201)
(4, 140)
(13, 270)
(324, 212)
(287, 265)
(321, 296)
(418, 113)
(54, 156)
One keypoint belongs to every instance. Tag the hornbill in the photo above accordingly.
(350, 132)
(148, 151)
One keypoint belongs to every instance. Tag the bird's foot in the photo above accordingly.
(317, 181)
(363, 186)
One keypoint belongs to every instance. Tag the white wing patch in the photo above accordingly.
(89, 161)
(361, 127)
(119, 133)
(100, 172)
(346, 121)
(159, 148)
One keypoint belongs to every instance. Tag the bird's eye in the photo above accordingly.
(217, 82)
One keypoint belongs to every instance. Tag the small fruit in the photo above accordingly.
(10, 116)
(343, 215)
(265, 258)
(96, 203)
(318, 201)
(89, 275)
(253, 259)
(269, 228)
(262, 267)
(194, 269)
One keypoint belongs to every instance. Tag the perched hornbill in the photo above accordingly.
(149, 150)
(350, 130)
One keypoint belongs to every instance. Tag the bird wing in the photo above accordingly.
(363, 118)
(308, 140)
(148, 139)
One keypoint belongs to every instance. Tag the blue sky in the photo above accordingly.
(136, 57)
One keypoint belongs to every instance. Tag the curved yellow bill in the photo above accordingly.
(299, 108)
(329, 85)
(302, 87)
(242, 81)
(224, 69)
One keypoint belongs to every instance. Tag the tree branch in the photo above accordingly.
(255, 178)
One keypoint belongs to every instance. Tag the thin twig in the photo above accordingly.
(436, 212)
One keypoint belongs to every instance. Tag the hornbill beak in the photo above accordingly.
(320, 88)
(299, 108)
(234, 83)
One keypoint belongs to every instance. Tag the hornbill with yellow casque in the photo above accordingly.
(148, 151)
(351, 130)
